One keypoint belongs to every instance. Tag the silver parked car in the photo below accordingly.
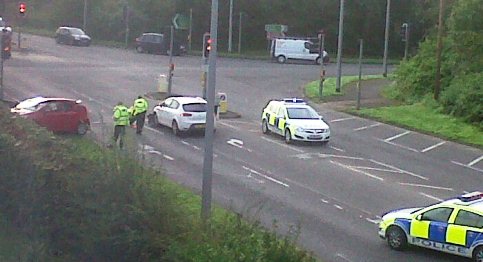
(182, 114)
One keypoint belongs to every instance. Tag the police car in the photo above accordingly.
(295, 120)
(453, 226)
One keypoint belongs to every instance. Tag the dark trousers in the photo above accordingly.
(119, 132)
(139, 118)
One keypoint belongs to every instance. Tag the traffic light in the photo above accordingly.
(404, 31)
(206, 45)
(22, 9)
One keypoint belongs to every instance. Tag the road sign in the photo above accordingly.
(276, 28)
(181, 22)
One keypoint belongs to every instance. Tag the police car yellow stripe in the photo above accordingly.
(281, 123)
(420, 229)
(456, 234)
(271, 120)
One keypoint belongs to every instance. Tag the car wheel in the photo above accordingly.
(265, 129)
(139, 49)
(396, 238)
(478, 254)
(175, 128)
(318, 60)
(57, 40)
(288, 136)
(281, 59)
(82, 129)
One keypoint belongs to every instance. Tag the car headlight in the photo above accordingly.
(300, 129)
(77, 37)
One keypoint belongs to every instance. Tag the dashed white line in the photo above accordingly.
(373, 221)
(377, 169)
(426, 186)
(342, 119)
(338, 207)
(430, 196)
(266, 177)
(283, 145)
(475, 161)
(185, 143)
(197, 147)
(396, 136)
(340, 156)
(400, 170)
(358, 171)
(470, 167)
(366, 127)
(337, 149)
(324, 201)
(154, 152)
(433, 147)
(168, 157)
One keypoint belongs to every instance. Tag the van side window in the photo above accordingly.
(307, 45)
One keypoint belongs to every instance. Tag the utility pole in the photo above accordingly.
(386, 38)
(1, 64)
(406, 43)
(240, 33)
(322, 65)
(84, 26)
(439, 48)
(339, 46)
(230, 27)
(206, 193)
(191, 29)
(171, 65)
(126, 20)
(361, 43)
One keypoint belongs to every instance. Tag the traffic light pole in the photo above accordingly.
(206, 193)
(386, 38)
(1, 65)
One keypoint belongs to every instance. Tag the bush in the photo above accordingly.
(464, 98)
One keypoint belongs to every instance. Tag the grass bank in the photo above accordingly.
(311, 90)
(78, 201)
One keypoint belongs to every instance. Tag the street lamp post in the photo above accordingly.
(84, 26)
(240, 33)
(339, 46)
(230, 27)
(386, 37)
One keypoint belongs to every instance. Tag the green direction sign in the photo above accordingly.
(276, 28)
(181, 22)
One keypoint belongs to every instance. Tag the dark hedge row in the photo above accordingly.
(77, 201)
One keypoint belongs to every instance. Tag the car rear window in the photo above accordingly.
(195, 107)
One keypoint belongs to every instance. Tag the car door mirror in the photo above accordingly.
(419, 217)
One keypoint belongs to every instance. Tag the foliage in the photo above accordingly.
(80, 202)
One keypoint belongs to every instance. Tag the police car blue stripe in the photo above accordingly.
(437, 231)
(472, 237)
(404, 223)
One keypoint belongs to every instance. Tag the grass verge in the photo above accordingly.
(423, 118)
(311, 90)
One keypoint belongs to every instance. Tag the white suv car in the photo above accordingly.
(181, 114)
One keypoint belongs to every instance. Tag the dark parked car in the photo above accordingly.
(158, 44)
(72, 36)
(60, 115)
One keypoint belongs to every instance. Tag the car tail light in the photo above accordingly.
(186, 114)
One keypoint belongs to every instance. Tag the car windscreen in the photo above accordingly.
(195, 107)
(77, 31)
(29, 104)
(302, 113)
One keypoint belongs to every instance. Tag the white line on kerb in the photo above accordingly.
(284, 145)
(367, 127)
(265, 176)
(426, 186)
(475, 161)
(338, 207)
(358, 171)
(324, 201)
(433, 147)
(397, 136)
(470, 167)
(342, 119)
(168, 157)
(430, 196)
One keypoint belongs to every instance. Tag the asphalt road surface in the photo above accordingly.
(327, 197)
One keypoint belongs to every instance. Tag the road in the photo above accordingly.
(328, 197)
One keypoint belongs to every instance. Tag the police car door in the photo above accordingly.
(280, 120)
(466, 229)
(430, 225)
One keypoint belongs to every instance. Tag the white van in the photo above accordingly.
(292, 48)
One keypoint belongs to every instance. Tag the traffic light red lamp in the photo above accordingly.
(22, 9)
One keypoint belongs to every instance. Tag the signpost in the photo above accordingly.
(181, 22)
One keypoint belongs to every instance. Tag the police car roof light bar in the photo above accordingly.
(293, 100)
(471, 196)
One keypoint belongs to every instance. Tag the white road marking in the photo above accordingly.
(283, 145)
(373, 221)
(324, 201)
(470, 167)
(343, 257)
(400, 170)
(377, 169)
(228, 125)
(475, 161)
(432, 197)
(401, 146)
(433, 147)
(340, 156)
(154, 130)
(266, 177)
(396, 136)
(155, 152)
(168, 157)
(197, 147)
(358, 171)
(342, 119)
(185, 143)
(426, 186)
(96, 122)
(337, 149)
(235, 142)
(366, 127)
(338, 207)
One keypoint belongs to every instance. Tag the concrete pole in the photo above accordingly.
(240, 33)
(206, 193)
(439, 49)
(322, 65)
(339, 46)
(126, 40)
(84, 26)
(230, 27)
(361, 43)
(386, 38)
(191, 30)
(406, 43)
(171, 67)
(1, 65)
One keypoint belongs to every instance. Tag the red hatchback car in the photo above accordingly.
(60, 115)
